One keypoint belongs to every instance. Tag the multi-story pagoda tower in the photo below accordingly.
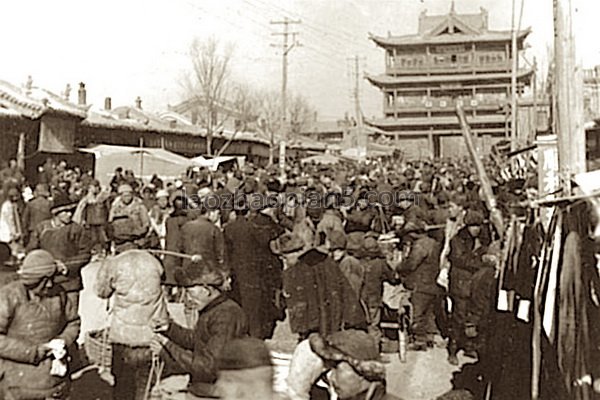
(453, 58)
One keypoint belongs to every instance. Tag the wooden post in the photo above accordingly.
(21, 152)
(141, 157)
(569, 99)
(534, 125)
(513, 82)
(578, 138)
(488, 194)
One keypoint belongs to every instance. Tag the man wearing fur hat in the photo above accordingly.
(220, 320)
(353, 365)
(38, 322)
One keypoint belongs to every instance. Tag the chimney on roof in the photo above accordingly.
(138, 103)
(67, 92)
(29, 84)
(315, 116)
(107, 103)
(82, 94)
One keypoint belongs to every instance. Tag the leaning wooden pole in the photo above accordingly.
(488, 194)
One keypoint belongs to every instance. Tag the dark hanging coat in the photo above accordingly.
(320, 298)
(173, 242)
(256, 271)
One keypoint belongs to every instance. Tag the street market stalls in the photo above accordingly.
(144, 162)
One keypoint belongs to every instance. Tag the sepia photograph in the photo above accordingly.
(300, 200)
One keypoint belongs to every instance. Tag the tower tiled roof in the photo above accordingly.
(451, 28)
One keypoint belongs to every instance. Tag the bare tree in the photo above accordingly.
(300, 113)
(269, 110)
(245, 108)
(210, 84)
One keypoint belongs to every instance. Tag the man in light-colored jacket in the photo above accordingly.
(133, 278)
(128, 219)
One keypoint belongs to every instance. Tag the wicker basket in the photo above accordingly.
(98, 349)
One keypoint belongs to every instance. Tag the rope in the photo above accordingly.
(156, 370)
(193, 257)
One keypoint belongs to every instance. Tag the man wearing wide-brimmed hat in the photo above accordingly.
(220, 320)
(356, 369)
(38, 322)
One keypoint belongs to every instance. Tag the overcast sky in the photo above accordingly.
(129, 48)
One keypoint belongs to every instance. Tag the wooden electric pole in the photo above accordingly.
(513, 81)
(569, 93)
(361, 152)
(286, 47)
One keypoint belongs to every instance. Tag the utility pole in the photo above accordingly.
(514, 140)
(534, 125)
(570, 131)
(361, 150)
(286, 47)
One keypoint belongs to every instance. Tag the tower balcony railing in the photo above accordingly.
(424, 68)
(402, 103)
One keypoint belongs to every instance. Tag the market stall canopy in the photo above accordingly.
(323, 159)
(144, 162)
(214, 163)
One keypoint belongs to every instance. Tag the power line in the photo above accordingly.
(343, 35)
(350, 40)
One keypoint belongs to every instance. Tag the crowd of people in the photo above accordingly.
(244, 249)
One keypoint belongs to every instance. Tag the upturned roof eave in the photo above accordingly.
(422, 40)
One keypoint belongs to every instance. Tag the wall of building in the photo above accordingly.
(414, 147)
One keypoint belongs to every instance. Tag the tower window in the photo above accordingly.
(453, 58)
